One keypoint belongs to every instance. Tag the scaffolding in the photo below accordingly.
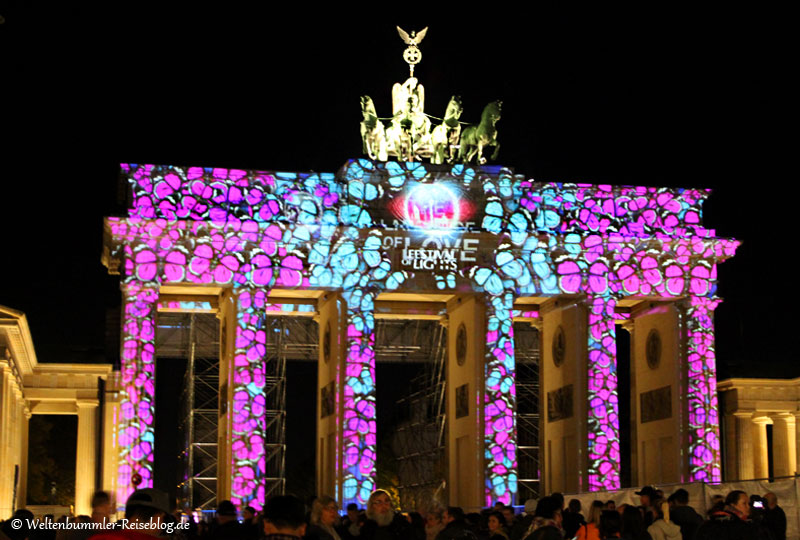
(527, 352)
(195, 337)
(288, 338)
(419, 438)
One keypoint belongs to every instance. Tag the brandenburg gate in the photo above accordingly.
(489, 245)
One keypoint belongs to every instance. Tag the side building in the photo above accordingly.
(27, 388)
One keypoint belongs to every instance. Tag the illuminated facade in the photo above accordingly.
(377, 228)
(748, 406)
(27, 388)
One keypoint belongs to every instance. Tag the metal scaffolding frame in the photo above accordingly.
(293, 338)
(527, 353)
(419, 439)
(195, 337)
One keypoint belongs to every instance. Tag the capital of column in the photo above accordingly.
(761, 420)
(785, 417)
(748, 415)
(86, 403)
(537, 323)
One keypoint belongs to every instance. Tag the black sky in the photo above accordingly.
(661, 98)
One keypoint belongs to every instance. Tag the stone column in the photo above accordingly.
(22, 490)
(797, 442)
(783, 444)
(137, 387)
(330, 376)
(85, 458)
(359, 429)
(19, 424)
(744, 445)
(760, 456)
(500, 403)
(247, 402)
(703, 414)
(603, 407)
(6, 468)
(110, 449)
(464, 390)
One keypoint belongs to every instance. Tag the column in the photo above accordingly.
(500, 403)
(248, 405)
(228, 322)
(6, 467)
(137, 388)
(760, 456)
(22, 490)
(797, 442)
(603, 411)
(110, 448)
(744, 458)
(359, 428)
(85, 457)
(330, 376)
(19, 424)
(464, 393)
(783, 444)
(703, 420)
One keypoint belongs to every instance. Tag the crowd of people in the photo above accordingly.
(148, 513)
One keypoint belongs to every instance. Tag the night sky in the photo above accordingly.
(659, 98)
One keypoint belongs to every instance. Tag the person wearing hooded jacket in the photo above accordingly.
(662, 528)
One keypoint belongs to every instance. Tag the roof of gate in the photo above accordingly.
(367, 194)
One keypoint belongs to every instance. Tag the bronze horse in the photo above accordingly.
(475, 138)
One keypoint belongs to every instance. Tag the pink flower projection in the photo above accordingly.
(704, 454)
(603, 420)
(500, 403)
(138, 387)
(254, 230)
(359, 430)
(248, 454)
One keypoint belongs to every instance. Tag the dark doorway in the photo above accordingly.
(527, 351)
(166, 464)
(52, 448)
(770, 455)
(624, 396)
(410, 381)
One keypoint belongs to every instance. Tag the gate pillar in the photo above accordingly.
(464, 411)
(245, 455)
(481, 401)
(658, 388)
(358, 443)
(563, 394)
(701, 376)
(137, 387)
(330, 395)
(580, 416)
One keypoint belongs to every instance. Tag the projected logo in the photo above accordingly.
(431, 207)
(440, 215)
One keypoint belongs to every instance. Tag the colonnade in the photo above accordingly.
(749, 406)
(27, 388)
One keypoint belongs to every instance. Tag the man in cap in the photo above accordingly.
(145, 511)
(648, 497)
